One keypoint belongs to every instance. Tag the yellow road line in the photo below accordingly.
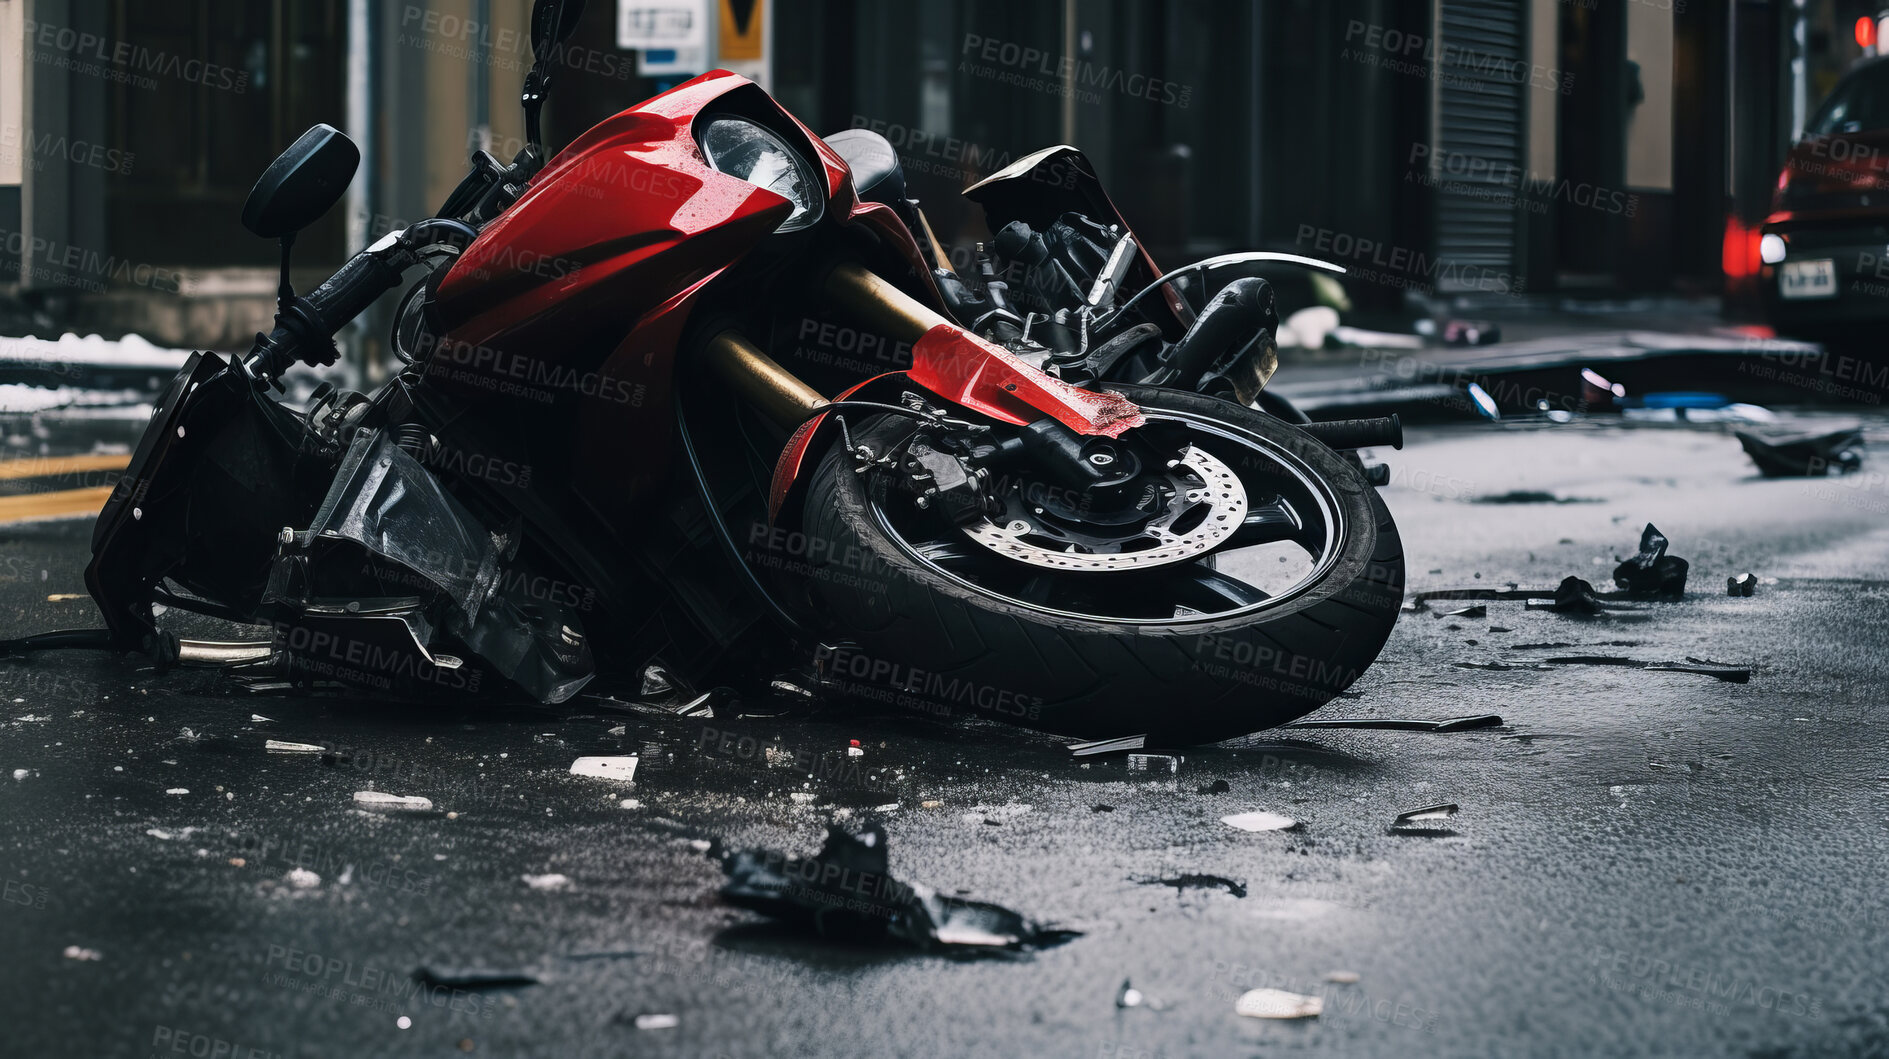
(55, 504)
(47, 466)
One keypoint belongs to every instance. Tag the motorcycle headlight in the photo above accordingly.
(746, 151)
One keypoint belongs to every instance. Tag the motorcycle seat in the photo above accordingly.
(877, 175)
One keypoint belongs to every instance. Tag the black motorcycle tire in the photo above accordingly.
(910, 637)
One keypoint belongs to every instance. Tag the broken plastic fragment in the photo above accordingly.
(1414, 821)
(1741, 585)
(1475, 611)
(657, 1022)
(1403, 724)
(1575, 596)
(380, 802)
(1432, 812)
(1652, 574)
(1168, 763)
(1342, 977)
(1108, 746)
(1804, 455)
(550, 882)
(1260, 820)
(177, 790)
(302, 879)
(280, 746)
(79, 952)
(1278, 1004)
(1202, 881)
(846, 891)
(606, 768)
(472, 978)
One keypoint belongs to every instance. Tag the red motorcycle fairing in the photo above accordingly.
(973, 373)
(622, 219)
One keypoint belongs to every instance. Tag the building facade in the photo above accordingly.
(1439, 148)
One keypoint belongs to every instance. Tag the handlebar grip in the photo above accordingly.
(347, 293)
(1347, 434)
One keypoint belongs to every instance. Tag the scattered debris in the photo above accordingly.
(472, 978)
(606, 768)
(20, 774)
(65, 597)
(1108, 746)
(1803, 455)
(1101, 808)
(280, 746)
(1402, 724)
(79, 952)
(1200, 881)
(1260, 820)
(1532, 496)
(302, 879)
(657, 1022)
(1741, 585)
(1130, 997)
(257, 718)
(551, 882)
(1652, 574)
(1575, 596)
(1410, 822)
(1729, 673)
(1342, 977)
(177, 790)
(1278, 1004)
(846, 891)
(1475, 611)
(1216, 787)
(379, 802)
(165, 836)
(1471, 332)
(1168, 763)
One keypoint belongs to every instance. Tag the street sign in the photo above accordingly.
(743, 30)
(658, 25)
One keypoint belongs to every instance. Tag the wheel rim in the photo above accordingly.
(1291, 536)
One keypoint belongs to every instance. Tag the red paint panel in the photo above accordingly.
(985, 377)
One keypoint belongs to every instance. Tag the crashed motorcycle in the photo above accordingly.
(610, 458)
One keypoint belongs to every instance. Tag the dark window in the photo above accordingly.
(222, 87)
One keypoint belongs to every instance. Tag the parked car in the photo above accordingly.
(1824, 250)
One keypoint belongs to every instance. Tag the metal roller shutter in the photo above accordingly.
(1480, 113)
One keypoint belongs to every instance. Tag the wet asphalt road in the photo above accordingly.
(1644, 862)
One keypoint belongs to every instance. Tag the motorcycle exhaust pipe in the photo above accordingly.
(775, 391)
(1347, 434)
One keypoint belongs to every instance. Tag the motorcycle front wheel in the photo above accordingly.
(1273, 622)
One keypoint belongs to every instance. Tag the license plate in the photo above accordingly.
(1808, 279)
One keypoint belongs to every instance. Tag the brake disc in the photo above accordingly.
(1199, 480)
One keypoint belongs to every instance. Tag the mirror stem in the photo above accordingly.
(285, 292)
(537, 85)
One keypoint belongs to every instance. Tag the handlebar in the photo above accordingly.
(306, 326)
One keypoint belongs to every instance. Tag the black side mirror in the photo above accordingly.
(303, 183)
(552, 22)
